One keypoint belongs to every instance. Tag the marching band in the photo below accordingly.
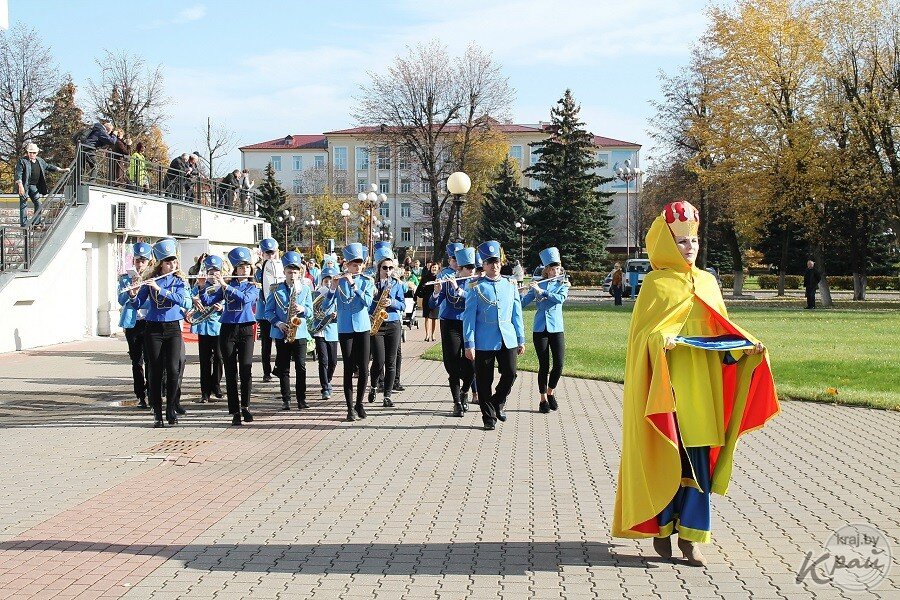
(359, 309)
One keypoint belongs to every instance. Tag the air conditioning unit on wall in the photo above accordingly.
(125, 217)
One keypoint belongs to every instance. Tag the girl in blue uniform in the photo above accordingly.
(208, 333)
(132, 320)
(387, 340)
(162, 343)
(290, 296)
(236, 336)
(326, 339)
(353, 293)
(547, 332)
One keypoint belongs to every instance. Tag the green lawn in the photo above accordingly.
(854, 351)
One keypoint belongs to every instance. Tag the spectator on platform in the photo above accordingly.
(99, 138)
(228, 189)
(137, 169)
(193, 176)
(246, 185)
(118, 158)
(175, 181)
(31, 181)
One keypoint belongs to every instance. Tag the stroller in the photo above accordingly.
(410, 318)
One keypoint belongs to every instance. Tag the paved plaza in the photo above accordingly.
(410, 503)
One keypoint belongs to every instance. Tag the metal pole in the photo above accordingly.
(627, 220)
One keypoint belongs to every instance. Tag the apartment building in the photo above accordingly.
(345, 162)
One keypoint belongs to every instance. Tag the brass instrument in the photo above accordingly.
(380, 313)
(197, 316)
(320, 319)
(294, 319)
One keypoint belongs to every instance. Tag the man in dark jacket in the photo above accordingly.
(99, 137)
(228, 189)
(811, 280)
(31, 181)
(176, 176)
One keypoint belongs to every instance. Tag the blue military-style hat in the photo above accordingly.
(239, 256)
(292, 259)
(488, 250)
(465, 257)
(550, 256)
(452, 247)
(165, 248)
(354, 251)
(330, 259)
(479, 264)
(142, 250)
(268, 244)
(383, 252)
(330, 271)
(213, 262)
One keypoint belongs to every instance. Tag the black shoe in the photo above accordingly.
(247, 416)
(544, 407)
(551, 400)
(236, 419)
(350, 415)
(489, 426)
(301, 404)
(360, 410)
(158, 423)
(142, 403)
(218, 394)
(501, 412)
(387, 403)
(372, 395)
(203, 399)
(285, 405)
(276, 372)
(457, 409)
(398, 388)
(179, 410)
(464, 400)
(172, 419)
(267, 378)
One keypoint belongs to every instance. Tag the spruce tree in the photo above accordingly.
(504, 203)
(270, 198)
(61, 121)
(571, 212)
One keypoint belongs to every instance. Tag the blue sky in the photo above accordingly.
(273, 68)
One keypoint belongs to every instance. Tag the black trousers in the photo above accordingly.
(163, 348)
(544, 345)
(460, 370)
(384, 356)
(326, 353)
(236, 345)
(355, 351)
(285, 354)
(210, 364)
(811, 298)
(135, 338)
(506, 359)
(265, 338)
(399, 357)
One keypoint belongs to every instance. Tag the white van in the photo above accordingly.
(641, 266)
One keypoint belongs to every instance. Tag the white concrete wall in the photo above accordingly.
(70, 291)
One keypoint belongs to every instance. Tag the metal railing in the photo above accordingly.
(102, 167)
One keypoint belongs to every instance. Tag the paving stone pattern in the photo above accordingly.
(410, 503)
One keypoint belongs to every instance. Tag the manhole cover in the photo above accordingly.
(174, 447)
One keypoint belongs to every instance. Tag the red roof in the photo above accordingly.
(504, 127)
(605, 142)
(297, 142)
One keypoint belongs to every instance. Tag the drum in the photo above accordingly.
(273, 274)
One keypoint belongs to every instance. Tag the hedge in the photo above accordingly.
(586, 278)
(835, 282)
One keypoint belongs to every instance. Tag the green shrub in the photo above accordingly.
(586, 278)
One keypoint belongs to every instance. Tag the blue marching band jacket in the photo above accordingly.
(549, 314)
(212, 324)
(492, 317)
(330, 332)
(353, 304)
(397, 305)
(452, 302)
(278, 306)
(240, 299)
(131, 312)
(167, 304)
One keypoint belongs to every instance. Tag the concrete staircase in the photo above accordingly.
(13, 237)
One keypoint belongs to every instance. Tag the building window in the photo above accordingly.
(340, 159)
(405, 209)
(276, 162)
(515, 152)
(298, 163)
(385, 210)
(405, 186)
(403, 161)
(405, 234)
(534, 157)
(426, 209)
(426, 187)
(362, 185)
(340, 186)
(362, 158)
(297, 187)
(319, 161)
(384, 159)
(384, 186)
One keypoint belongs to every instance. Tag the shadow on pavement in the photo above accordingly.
(462, 558)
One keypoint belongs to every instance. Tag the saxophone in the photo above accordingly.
(294, 319)
(380, 313)
(320, 319)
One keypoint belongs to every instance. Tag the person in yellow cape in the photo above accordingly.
(694, 383)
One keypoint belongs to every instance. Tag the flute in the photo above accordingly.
(566, 277)
(449, 279)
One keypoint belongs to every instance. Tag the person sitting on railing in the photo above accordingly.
(31, 182)
(99, 137)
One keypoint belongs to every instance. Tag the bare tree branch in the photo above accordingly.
(129, 94)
